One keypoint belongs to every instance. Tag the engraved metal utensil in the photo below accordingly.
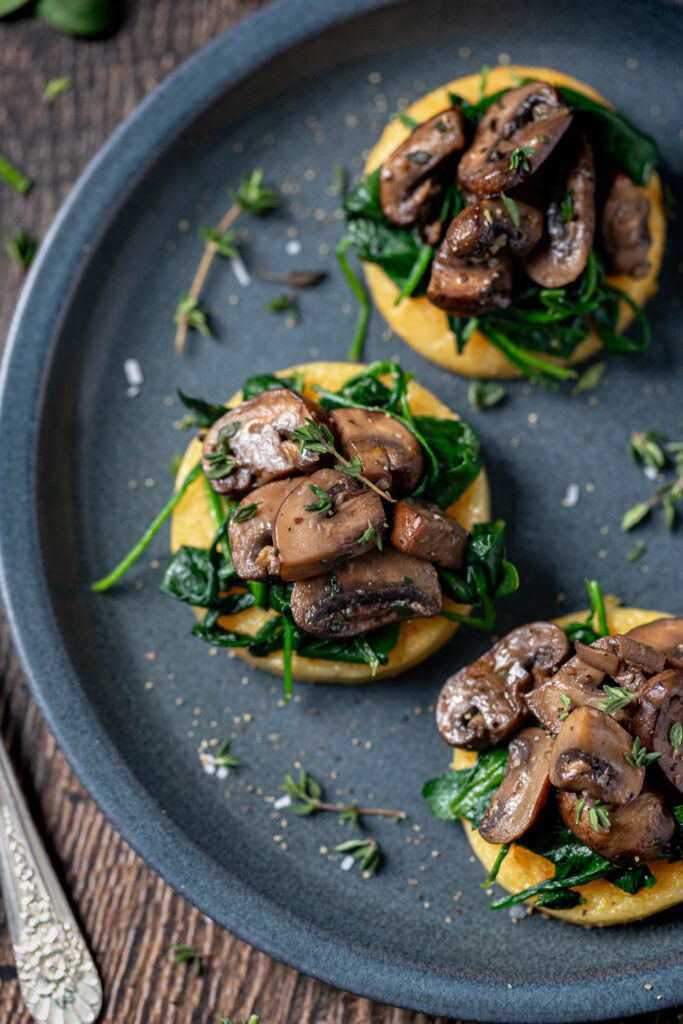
(58, 978)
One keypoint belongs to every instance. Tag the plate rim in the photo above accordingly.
(90, 207)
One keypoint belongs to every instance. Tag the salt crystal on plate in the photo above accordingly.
(240, 271)
(293, 247)
(571, 498)
(284, 801)
(518, 911)
(134, 377)
(650, 472)
(347, 863)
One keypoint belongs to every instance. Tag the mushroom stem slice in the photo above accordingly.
(523, 793)
(384, 587)
(625, 231)
(660, 708)
(389, 452)
(251, 540)
(664, 635)
(422, 529)
(467, 287)
(406, 182)
(589, 756)
(516, 135)
(483, 703)
(348, 522)
(638, 832)
(252, 444)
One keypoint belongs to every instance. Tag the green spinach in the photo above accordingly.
(487, 576)
(467, 792)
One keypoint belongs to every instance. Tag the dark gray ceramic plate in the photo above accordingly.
(298, 89)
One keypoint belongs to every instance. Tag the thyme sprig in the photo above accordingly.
(676, 735)
(323, 506)
(316, 437)
(253, 197)
(183, 954)
(221, 759)
(287, 304)
(367, 851)
(650, 449)
(309, 795)
(617, 698)
(519, 157)
(640, 756)
(371, 533)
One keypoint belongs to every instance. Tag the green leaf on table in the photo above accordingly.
(81, 17)
(55, 87)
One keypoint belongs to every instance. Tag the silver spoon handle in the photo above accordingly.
(58, 978)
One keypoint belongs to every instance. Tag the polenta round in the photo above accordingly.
(605, 903)
(424, 326)
(191, 524)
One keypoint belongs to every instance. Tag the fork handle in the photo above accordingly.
(57, 975)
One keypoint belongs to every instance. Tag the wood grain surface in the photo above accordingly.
(129, 915)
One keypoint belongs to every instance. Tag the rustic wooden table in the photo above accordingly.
(129, 915)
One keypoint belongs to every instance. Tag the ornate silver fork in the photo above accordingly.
(57, 975)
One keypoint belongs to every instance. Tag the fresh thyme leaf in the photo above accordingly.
(484, 79)
(252, 195)
(183, 954)
(512, 209)
(637, 552)
(369, 534)
(190, 312)
(246, 512)
(518, 157)
(340, 180)
(366, 851)
(646, 447)
(567, 207)
(285, 303)
(323, 506)
(640, 756)
(309, 795)
(21, 248)
(676, 735)
(635, 514)
(482, 395)
(406, 120)
(223, 244)
(618, 698)
(12, 176)
(589, 379)
(55, 87)
(598, 816)
(354, 468)
(567, 707)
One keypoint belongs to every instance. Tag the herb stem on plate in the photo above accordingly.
(309, 793)
(316, 437)
(118, 571)
(356, 350)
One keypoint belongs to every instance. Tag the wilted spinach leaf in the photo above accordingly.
(204, 414)
(267, 382)
(487, 575)
(467, 792)
(455, 445)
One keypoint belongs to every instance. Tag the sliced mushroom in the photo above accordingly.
(660, 707)
(384, 587)
(310, 541)
(390, 454)
(638, 832)
(589, 756)
(579, 681)
(424, 530)
(569, 227)
(252, 444)
(513, 139)
(482, 229)
(406, 182)
(523, 793)
(483, 703)
(664, 635)
(467, 287)
(625, 230)
(251, 540)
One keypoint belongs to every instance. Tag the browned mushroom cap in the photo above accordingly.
(484, 228)
(390, 454)
(406, 186)
(624, 226)
(638, 832)
(664, 635)
(660, 707)
(469, 287)
(523, 793)
(367, 593)
(483, 703)
(579, 681)
(309, 541)
(589, 756)
(422, 529)
(251, 540)
(512, 140)
(570, 227)
(252, 444)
